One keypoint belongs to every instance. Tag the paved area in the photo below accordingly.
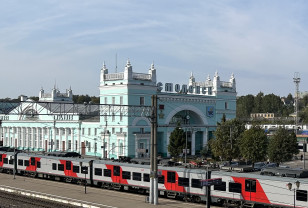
(94, 197)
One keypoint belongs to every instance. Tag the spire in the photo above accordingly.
(152, 66)
(232, 76)
(128, 63)
(208, 78)
(216, 73)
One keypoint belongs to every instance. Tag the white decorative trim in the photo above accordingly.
(136, 120)
(186, 107)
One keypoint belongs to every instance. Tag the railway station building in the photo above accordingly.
(113, 128)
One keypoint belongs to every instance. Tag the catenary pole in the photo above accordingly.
(151, 198)
(155, 152)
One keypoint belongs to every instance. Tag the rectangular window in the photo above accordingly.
(171, 177)
(121, 100)
(125, 175)
(20, 162)
(116, 171)
(106, 100)
(61, 167)
(38, 164)
(235, 187)
(26, 162)
(113, 117)
(146, 177)
(136, 176)
(113, 130)
(68, 165)
(98, 171)
(95, 131)
(113, 148)
(113, 100)
(107, 172)
(161, 179)
(32, 161)
(75, 168)
(141, 100)
(220, 187)
(11, 162)
(196, 183)
(82, 131)
(183, 182)
(54, 166)
(0, 157)
(226, 105)
(301, 195)
(89, 131)
(121, 116)
(250, 185)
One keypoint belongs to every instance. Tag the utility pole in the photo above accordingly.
(153, 155)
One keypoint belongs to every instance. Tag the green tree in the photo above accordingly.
(254, 144)
(244, 106)
(177, 142)
(282, 146)
(227, 135)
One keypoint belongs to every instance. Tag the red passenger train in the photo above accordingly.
(173, 182)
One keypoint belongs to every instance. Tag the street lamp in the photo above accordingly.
(187, 118)
(297, 183)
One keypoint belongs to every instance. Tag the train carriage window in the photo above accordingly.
(183, 182)
(125, 175)
(116, 171)
(20, 162)
(0, 157)
(5, 160)
(11, 161)
(68, 165)
(26, 162)
(107, 172)
(75, 168)
(61, 167)
(235, 187)
(220, 187)
(196, 183)
(161, 179)
(38, 164)
(98, 171)
(136, 176)
(301, 195)
(171, 177)
(146, 177)
(250, 185)
(32, 161)
(54, 166)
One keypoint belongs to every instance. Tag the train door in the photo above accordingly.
(116, 174)
(250, 189)
(171, 180)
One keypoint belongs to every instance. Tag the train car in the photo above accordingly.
(258, 189)
(6, 162)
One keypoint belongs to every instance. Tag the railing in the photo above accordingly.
(116, 76)
(141, 76)
(226, 84)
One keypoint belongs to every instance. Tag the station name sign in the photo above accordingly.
(63, 117)
(4, 118)
(169, 87)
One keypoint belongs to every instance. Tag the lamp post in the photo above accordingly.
(297, 183)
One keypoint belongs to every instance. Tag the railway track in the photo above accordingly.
(14, 200)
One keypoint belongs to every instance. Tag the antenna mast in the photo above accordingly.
(296, 80)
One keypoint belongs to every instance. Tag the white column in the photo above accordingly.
(27, 138)
(48, 139)
(193, 143)
(79, 142)
(9, 136)
(168, 138)
(66, 142)
(204, 139)
(60, 139)
(136, 147)
(72, 140)
(33, 137)
(54, 138)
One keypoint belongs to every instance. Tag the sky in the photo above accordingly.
(64, 43)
